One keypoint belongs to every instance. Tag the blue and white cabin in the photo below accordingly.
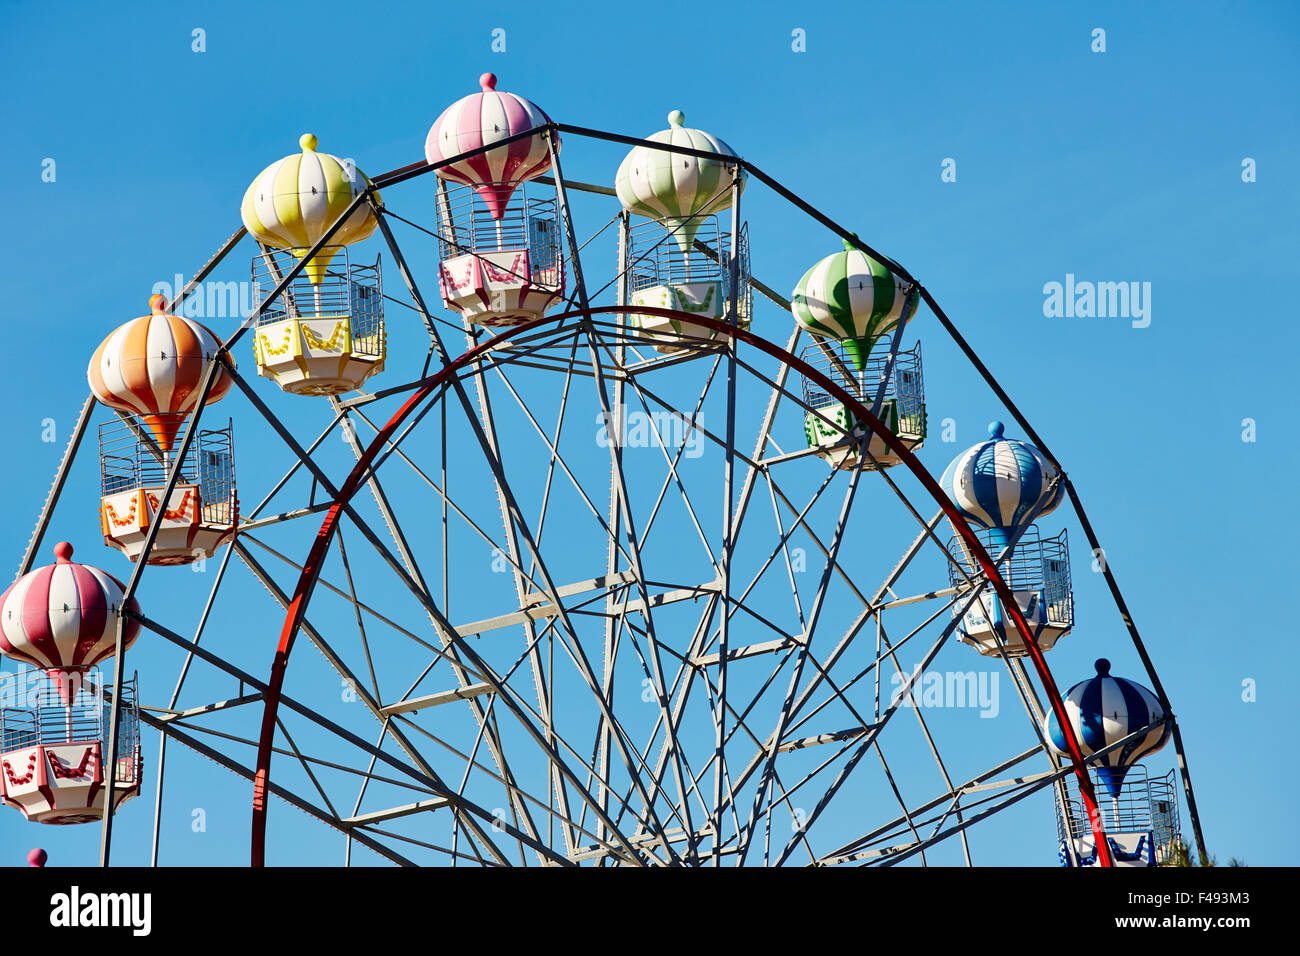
(1141, 820)
(1038, 574)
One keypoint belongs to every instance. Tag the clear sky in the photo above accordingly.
(1127, 165)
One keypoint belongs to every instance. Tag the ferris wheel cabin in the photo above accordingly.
(694, 280)
(52, 752)
(1141, 821)
(203, 511)
(835, 432)
(501, 263)
(324, 335)
(1038, 574)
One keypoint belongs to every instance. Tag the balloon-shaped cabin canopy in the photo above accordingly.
(295, 201)
(1038, 575)
(851, 298)
(502, 262)
(679, 189)
(1104, 710)
(153, 367)
(63, 618)
(1002, 484)
(479, 120)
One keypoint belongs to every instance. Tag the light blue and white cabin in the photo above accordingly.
(1000, 486)
(1038, 574)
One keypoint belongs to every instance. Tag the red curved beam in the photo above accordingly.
(315, 559)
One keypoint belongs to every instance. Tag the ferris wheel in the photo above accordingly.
(619, 555)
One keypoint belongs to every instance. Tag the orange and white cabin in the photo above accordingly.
(202, 513)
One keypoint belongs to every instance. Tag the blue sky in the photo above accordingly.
(1117, 166)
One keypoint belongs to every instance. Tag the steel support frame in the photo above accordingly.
(424, 167)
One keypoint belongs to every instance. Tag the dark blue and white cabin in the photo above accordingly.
(1117, 722)
(1141, 821)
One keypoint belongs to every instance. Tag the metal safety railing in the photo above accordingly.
(78, 711)
(130, 458)
(342, 289)
(1036, 564)
(528, 221)
(1141, 803)
(656, 258)
(904, 384)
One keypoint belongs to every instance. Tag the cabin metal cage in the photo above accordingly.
(904, 384)
(345, 290)
(655, 258)
(1036, 564)
(528, 221)
(129, 458)
(1144, 803)
(85, 715)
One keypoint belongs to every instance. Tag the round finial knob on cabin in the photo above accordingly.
(487, 82)
(1103, 667)
(996, 429)
(63, 552)
(308, 142)
(676, 118)
(37, 857)
(157, 304)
